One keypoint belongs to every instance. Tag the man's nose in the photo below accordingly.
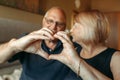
(54, 25)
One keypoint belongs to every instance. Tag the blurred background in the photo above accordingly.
(20, 16)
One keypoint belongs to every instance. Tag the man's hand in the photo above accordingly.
(32, 42)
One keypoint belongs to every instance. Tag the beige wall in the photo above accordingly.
(106, 5)
(15, 14)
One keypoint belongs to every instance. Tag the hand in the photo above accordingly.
(32, 42)
(35, 48)
(69, 55)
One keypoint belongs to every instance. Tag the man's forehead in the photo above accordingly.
(56, 18)
(56, 14)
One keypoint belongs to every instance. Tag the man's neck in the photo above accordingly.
(51, 44)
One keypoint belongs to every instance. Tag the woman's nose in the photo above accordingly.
(71, 30)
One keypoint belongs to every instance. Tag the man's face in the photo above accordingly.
(54, 21)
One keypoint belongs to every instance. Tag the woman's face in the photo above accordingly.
(76, 32)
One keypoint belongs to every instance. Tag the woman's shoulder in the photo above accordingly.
(117, 53)
(115, 62)
(115, 57)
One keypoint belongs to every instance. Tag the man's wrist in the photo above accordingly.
(12, 46)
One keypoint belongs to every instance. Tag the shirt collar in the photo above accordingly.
(57, 49)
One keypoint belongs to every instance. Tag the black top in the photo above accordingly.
(102, 62)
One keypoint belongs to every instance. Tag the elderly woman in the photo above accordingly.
(95, 61)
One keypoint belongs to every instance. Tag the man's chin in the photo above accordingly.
(54, 40)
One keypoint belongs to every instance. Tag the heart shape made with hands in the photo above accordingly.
(36, 37)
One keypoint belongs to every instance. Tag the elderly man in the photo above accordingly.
(33, 50)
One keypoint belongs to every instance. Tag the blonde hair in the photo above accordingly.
(96, 26)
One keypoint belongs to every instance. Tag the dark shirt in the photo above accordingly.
(37, 68)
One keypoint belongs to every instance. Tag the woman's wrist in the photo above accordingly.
(79, 67)
(75, 65)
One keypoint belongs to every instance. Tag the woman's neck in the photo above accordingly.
(89, 51)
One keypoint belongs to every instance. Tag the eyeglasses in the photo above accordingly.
(51, 22)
